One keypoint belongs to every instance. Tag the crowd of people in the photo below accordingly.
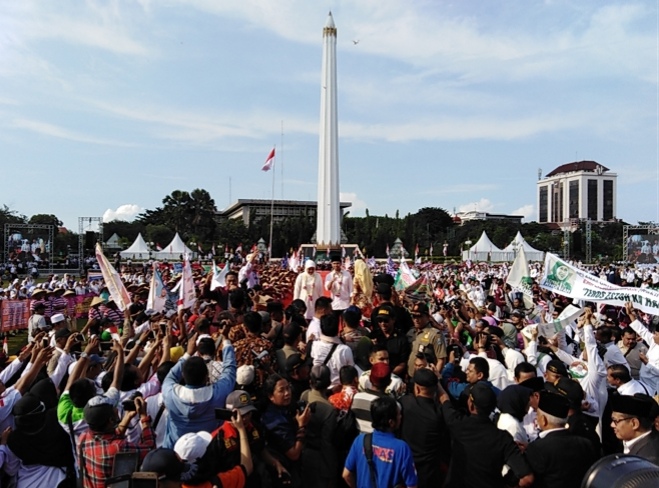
(280, 378)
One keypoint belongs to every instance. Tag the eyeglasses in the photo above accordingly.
(617, 421)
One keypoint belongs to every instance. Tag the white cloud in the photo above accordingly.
(52, 130)
(123, 212)
(528, 211)
(482, 205)
(358, 206)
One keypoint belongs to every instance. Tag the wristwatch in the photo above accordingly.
(84, 355)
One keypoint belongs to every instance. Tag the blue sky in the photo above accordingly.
(108, 106)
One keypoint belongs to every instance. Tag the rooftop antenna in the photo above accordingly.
(539, 173)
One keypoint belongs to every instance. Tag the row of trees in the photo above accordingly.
(193, 216)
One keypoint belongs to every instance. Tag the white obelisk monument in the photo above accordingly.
(328, 224)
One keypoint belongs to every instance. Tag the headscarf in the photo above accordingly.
(514, 400)
(363, 278)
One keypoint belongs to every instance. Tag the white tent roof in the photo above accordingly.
(174, 249)
(137, 250)
(520, 241)
(484, 244)
(531, 253)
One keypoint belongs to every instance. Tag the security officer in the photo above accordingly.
(425, 338)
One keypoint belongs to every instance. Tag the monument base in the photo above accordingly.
(322, 254)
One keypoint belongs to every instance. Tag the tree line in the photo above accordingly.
(194, 216)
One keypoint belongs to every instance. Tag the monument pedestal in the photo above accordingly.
(318, 254)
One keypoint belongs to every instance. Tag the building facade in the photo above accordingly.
(248, 209)
(577, 191)
(462, 217)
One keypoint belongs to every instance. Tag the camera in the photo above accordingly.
(225, 414)
(300, 406)
(129, 405)
(457, 351)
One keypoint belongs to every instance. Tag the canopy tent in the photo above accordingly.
(174, 250)
(484, 250)
(518, 242)
(113, 242)
(137, 250)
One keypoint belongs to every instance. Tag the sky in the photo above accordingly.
(108, 106)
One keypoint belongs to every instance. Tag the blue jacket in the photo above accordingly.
(193, 409)
(454, 387)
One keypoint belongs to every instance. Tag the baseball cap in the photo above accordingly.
(166, 463)
(420, 309)
(96, 359)
(241, 401)
(385, 311)
(245, 374)
(192, 446)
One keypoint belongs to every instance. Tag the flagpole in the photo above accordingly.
(281, 162)
(272, 207)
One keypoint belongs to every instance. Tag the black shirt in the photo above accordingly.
(423, 428)
(397, 346)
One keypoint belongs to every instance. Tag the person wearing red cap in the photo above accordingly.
(361, 402)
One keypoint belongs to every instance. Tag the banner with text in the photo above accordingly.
(563, 278)
(14, 314)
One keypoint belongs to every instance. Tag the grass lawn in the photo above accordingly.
(16, 343)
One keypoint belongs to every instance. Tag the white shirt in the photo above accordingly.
(342, 356)
(614, 355)
(631, 388)
(627, 445)
(516, 429)
(649, 373)
(314, 329)
(339, 284)
(308, 288)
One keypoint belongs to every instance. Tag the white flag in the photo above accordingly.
(219, 276)
(187, 296)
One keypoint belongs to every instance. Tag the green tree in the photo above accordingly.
(45, 219)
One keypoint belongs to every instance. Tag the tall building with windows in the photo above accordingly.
(577, 191)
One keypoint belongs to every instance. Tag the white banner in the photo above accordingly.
(563, 278)
(187, 295)
(113, 281)
(157, 292)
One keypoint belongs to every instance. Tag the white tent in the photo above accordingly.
(484, 250)
(518, 242)
(174, 250)
(137, 250)
(113, 242)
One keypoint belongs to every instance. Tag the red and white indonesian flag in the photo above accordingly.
(115, 286)
(186, 292)
(270, 161)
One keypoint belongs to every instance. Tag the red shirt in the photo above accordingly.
(98, 451)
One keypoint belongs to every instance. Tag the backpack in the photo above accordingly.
(346, 430)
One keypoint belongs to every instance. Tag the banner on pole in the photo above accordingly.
(563, 278)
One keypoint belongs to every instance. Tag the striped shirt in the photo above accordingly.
(114, 316)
